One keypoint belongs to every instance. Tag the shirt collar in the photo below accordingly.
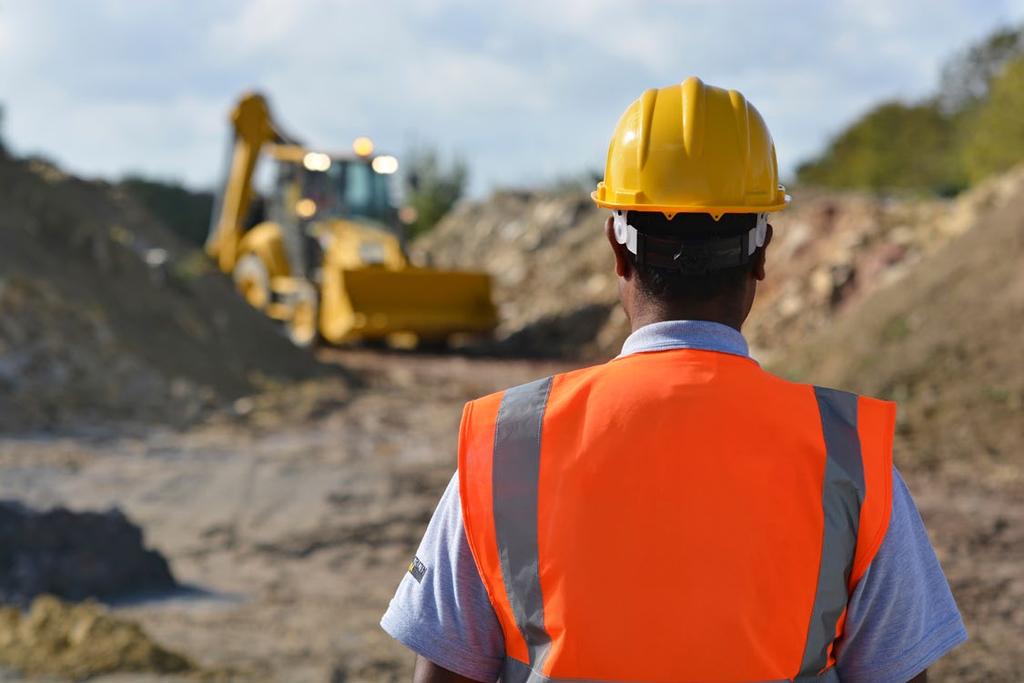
(686, 334)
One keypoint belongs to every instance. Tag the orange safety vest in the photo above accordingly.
(673, 516)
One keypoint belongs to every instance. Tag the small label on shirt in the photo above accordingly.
(417, 569)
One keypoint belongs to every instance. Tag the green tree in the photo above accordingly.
(183, 211)
(432, 187)
(968, 76)
(895, 146)
(995, 136)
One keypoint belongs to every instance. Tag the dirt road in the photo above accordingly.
(293, 519)
(293, 524)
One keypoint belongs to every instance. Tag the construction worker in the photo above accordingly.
(678, 513)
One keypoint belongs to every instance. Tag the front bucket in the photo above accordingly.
(373, 303)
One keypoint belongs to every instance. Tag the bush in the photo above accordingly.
(995, 140)
(895, 146)
(432, 188)
(971, 128)
(185, 212)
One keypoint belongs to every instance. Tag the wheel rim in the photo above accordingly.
(302, 324)
(252, 282)
(252, 291)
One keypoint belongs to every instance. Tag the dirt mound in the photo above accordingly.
(78, 642)
(944, 341)
(104, 314)
(556, 290)
(74, 555)
(548, 260)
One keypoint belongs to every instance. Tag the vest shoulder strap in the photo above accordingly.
(499, 465)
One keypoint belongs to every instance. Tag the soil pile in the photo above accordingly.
(554, 286)
(944, 342)
(104, 314)
(74, 555)
(79, 641)
(556, 290)
(832, 251)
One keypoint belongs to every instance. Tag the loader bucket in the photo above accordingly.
(373, 303)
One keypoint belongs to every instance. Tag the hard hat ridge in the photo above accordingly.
(691, 148)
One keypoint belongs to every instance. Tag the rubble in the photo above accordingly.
(76, 642)
(555, 287)
(106, 315)
(75, 555)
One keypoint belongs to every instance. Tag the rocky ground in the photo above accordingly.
(290, 525)
(555, 286)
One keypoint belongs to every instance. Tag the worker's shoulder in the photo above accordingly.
(822, 391)
(542, 383)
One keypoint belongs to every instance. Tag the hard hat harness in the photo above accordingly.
(693, 256)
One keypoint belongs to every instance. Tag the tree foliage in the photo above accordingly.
(894, 146)
(967, 77)
(185, 212)
(971, 128)
(995, 140)
(432, 187)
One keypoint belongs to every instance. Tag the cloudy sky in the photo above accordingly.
(525, 91)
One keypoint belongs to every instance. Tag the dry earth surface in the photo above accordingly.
(292, 524)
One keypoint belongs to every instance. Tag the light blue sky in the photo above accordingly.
(525, 91)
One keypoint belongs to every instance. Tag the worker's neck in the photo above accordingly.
(648, 312)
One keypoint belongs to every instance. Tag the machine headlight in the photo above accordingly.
(362, 146)
(316, 161)
(385, 165)
(305, 208)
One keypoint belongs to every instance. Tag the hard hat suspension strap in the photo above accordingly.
(690, 256)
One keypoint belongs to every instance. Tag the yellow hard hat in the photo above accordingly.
(691, 148)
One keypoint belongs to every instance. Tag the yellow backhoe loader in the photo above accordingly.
(323, 252)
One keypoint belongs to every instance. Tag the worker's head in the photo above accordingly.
(689, 267)
(690, 178)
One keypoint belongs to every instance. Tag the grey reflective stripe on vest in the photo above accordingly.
(841, 499)
(517, 672)
(515, 474)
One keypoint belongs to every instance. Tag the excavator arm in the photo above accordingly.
(253, 128)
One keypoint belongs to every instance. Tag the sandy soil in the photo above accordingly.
(294, 523)
(293, 535)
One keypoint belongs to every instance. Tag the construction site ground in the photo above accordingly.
(292, 517)
(291, 524)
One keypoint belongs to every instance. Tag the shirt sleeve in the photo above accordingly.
(441, 609)
(902, 616)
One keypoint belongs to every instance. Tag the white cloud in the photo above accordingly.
(523, 90)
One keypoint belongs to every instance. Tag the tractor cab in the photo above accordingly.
(318, 199)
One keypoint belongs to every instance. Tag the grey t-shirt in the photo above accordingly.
(901, 617)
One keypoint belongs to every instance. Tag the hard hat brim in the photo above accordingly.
(673, 210)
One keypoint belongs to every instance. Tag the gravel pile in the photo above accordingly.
(75, 555)
(107, 316)
(78, 642)
(556, 289)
